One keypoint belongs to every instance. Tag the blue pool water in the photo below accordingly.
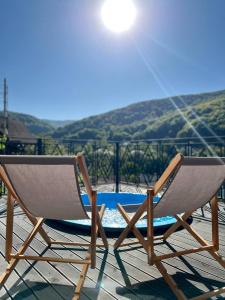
(112, 219)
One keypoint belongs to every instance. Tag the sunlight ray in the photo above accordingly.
(201, 121)
(180, 56)
(194, 64)
(194, 113)
(160, 83)
(177, 54)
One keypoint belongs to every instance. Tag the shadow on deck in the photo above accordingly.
(119, 275)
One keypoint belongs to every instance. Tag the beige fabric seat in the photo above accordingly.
(48, 187)
(191, 183)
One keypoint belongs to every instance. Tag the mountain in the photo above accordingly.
(179, 116)
(163, 118)
(57, 123)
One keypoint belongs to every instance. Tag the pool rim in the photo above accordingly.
(86, 227)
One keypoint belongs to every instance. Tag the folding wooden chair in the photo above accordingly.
(47, 187)
(192, 183)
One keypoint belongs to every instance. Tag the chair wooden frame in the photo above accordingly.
(147, 208)
(96, 228)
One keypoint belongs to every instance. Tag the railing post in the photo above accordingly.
(117, 166)
(160, 162)
(189, 148)
(39, 147)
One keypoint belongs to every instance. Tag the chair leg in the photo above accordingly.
(13, 262)
(122, 236)
(214, 254)
(215, 229)
(134, 229)
(42, 232)
(97, 227)
(94, 230)
(8, 271)
(218, 258)
(150, 227)
(81, 280)
(175, 226)
(34, 221)
(211, 249)
(9, 227)
(131, 226)
(102, 234)
(100, 227)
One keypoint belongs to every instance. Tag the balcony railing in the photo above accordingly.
(137, 163)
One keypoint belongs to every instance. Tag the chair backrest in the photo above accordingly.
(46, 185)
(197, 180)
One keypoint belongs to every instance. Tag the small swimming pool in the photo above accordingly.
(112, 220)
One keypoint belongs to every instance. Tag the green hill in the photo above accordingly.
(180, 116)
(163, 118)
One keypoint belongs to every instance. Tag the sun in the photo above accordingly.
(118, 15)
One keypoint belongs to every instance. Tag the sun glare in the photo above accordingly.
(118, 15)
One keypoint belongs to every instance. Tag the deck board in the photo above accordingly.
(108, 271)
(119, 275)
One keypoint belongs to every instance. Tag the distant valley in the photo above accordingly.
(162, 118)
(57, 123)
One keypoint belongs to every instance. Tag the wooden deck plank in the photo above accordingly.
(109, 280)
(206, 231)
(19, 284)
(28, 227)
(173, 266)
(53, 273)
(196, 257)
(197, 266)
(144, 263)
(204, 263)
(125, 275)
(115, 263)
(39, 279)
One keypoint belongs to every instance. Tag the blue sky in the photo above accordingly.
(62, 63)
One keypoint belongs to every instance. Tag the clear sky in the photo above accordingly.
(61, 62)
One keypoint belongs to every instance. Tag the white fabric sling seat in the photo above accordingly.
(191, 183)
(48, 187)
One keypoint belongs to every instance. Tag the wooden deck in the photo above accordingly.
(121, 275)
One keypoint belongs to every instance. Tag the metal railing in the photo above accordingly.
(138, 163)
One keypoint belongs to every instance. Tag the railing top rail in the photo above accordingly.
(215, 139)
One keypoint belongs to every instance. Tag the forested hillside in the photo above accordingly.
(177, 116)
(57, 123)
(180, 116)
